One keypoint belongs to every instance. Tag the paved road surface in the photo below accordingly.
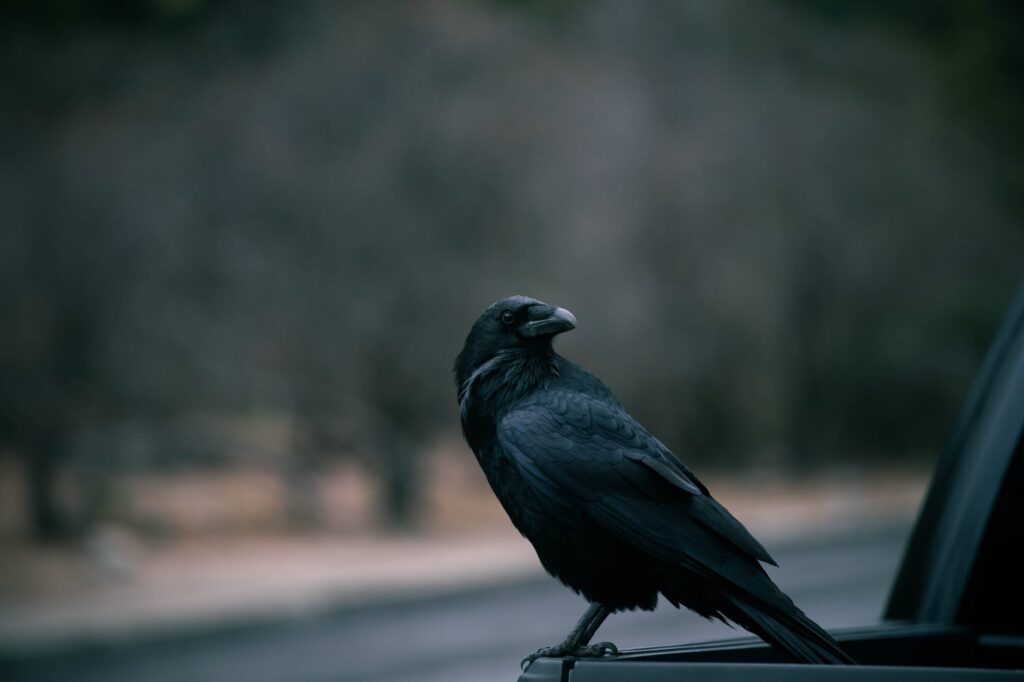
(841, 580)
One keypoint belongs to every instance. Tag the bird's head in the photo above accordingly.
(517, 323)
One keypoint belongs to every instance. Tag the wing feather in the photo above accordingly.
(571, 445)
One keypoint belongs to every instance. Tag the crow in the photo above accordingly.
(611, 512)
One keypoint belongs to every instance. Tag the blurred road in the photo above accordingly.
(839, 580)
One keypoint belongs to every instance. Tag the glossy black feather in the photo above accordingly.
(610, 510)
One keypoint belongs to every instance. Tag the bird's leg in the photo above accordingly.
(577, 641)
(587, 626)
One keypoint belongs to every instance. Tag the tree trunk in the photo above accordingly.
(46, 515)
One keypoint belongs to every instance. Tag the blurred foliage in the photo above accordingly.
(785, 234)
(977, 48)
(56, 18)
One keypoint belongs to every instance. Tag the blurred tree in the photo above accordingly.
(758, 215)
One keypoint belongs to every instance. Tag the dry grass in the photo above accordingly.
(345, 499)
(190, 522)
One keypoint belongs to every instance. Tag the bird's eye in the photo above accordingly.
(508, 317)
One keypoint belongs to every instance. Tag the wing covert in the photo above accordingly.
(572, 445)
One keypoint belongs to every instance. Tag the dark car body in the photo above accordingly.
(956, 610)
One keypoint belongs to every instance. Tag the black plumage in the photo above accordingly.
(611, 511)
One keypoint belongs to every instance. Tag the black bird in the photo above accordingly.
(611, 512)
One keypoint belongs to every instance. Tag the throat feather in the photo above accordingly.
(506, 377)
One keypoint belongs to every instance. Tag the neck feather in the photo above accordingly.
(497, 384)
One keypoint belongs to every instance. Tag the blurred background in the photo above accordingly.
(242, 244)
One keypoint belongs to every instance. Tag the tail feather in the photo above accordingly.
(789, 630)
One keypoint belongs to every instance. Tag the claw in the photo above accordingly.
(593, 651)
(525, 663)
(600, 649)
(541, 653)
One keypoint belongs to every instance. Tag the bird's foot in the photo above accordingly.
(561, 650)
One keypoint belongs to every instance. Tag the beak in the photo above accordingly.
(548, 321)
